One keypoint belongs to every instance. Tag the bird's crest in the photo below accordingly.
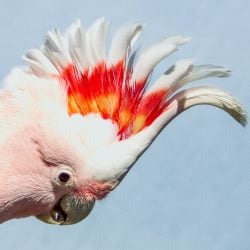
(110, 86)
(114, 85)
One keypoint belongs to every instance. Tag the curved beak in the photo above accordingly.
(67, 211)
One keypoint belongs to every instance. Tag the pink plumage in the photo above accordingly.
(75, 120)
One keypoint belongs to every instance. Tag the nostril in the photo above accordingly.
(64, 177)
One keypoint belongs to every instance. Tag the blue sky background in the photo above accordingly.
(191, 189)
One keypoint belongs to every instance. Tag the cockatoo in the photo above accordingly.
(75, 120)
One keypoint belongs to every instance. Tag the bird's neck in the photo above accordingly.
(21, 185)
(17, 199)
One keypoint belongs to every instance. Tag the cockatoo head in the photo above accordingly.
(87, 116)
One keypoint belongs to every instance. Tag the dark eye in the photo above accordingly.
(64, 177)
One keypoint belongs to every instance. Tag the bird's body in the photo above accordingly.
(74, 121)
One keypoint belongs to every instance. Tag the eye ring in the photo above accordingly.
(64, 176)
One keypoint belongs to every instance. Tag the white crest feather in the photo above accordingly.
(154, 54)
(95, 41)
(77, 45)
(122, 40)
(204, 71)
(172, 76)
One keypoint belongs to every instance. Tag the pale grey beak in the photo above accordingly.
(68, 210)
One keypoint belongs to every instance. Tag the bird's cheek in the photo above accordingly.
(95, 190)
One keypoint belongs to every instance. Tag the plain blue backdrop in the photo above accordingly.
(191, 189)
